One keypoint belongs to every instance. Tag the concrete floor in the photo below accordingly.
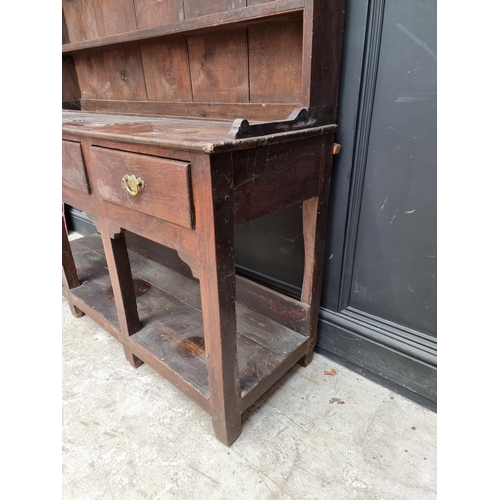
(129, 434)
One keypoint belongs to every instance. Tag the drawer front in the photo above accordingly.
(166, 193)
(73, 167)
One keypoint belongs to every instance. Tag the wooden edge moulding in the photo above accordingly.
(181, 120)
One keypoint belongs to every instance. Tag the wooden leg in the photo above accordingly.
(69, 274)
(314, 219)
(213, 195)
(115, 249)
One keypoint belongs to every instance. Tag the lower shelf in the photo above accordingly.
(171, 339)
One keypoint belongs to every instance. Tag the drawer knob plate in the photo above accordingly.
(133, 184)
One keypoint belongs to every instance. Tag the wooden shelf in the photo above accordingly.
(171, 338)
(197, 24)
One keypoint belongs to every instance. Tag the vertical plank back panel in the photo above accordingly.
(166, 71)
(114, 74)
(275, 62)
(197, 8)
(114, 16)
(70, 87)
(153, 12)
(65, 34)
(219, 66)
(80, 19)
(92, 76)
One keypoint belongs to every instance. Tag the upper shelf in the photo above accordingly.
(197, 24)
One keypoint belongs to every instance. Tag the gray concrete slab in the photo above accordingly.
(129, 434)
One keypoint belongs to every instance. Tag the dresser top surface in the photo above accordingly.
(189, 134)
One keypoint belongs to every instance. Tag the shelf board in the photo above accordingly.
(189, 26)
(171, 338)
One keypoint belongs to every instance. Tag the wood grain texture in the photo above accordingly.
(69, 273)
(70, 86)
(197, 8)
(277, 176)
(167, 191)
(172, 337)
(113, 74)
(278, 307)
(114, 16)
(74, 174)
(275, 62)
(172, 154)
(323, 34)
(165, 233)
(219, 67)
(80, 20)
(250, 111)
(197, 25)
(212, 191)
(155, 13)
(166, 71)
(314, 222)
(115, 250)
(157, 253)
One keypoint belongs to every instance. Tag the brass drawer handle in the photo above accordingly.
(133, 184)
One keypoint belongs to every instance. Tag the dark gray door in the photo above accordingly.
(379, 294)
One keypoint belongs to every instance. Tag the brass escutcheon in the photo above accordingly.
(133, 184)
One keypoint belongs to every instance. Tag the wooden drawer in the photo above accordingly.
(73, 167)
(167, 184)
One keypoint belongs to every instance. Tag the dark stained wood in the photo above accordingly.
(293, 166)
(232, 18)
(92, 313)
(112, 74)
(114, 16)
(157, 253)
(224, 110)
(205, 136)
(212, 192)
(256, 363)
(74, 198)
(251, 111)
(74, 174)
(275, 62)
(264, 384)
(269, 334)
(166, 71)
(197, 8)
(173, 154)
(280, 308)
(80, 20)
(191, 262)
(315, 213)
(299, 119)
(323, 34)
(115, 250)
(153, 13)
(219, 67)
(166, 193)
(172, 338)
(65, 34)
(165, 233)
(93, 293)
(69, 273)
(70, 85)
(168, 323)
